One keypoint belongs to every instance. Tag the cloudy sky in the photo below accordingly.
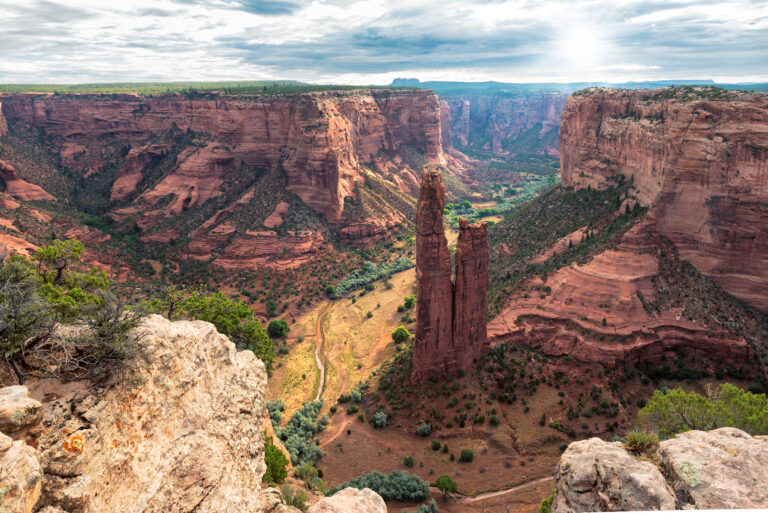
(374, 41)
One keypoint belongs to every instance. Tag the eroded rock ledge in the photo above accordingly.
(719, 469)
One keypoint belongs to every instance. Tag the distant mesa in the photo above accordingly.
(450, 329)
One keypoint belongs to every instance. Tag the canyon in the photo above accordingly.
(227, 172)
(450, 330)
(698, 160)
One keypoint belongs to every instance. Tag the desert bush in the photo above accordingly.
(446, 485)
(298, 433)
(466, 456)
(295, 497)
(428, 507)
(311, 477)
(275, 409)
(380, 419)
(639, 442)
(424, 429)
(408, 461)
(275, 461)
(277, 328)
(400, 335)
(369, 273)
(399, 485)
(677, 410)
(435, 445)
(546, 503)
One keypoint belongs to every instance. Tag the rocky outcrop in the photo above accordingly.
(20, 476)
(593, 475)
(433, 351)
(450, 328)
(183, 431)
(470, 297)
(720, 469)
(21, 416)
(350, 500)
(503, 124)
(698, 158)
(131, 175)
(3, 122)
(18, 188)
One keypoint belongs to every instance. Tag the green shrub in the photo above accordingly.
(275, 409)
(466, 456)
(353, 409)
(424, 429)
(277, 328)
(435, 445)
(368, 274)
(400, 335)
(546, 503)
(298, 433)
(295, 497)
(494, 420)
(429, 507)
(446, 485)
(380, 419)
(408, 461)
(639, 442)
(399, 485)
(677, 410)
(275, 461)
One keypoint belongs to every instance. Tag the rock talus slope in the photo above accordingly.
(719, 469)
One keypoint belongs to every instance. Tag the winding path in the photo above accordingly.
(490, 495)
(320, 337)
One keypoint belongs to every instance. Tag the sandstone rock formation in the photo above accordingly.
(720, 469)
(19, 188)
(470, 296)
(433, 351)
(20, 416)
(500, 124)
(20, 476)
(3, 122)
(177, 154)
(182, 432)
(350, 500)
(701, 165)
(450, 329)
(701, 168)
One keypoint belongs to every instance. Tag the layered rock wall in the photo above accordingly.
(450, 329)
(3, 122)
(502, 124)
(317, 138)
(700, 162)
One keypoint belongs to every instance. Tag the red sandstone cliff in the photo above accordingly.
(501, 124)
(450, 329)
(19, 188)
(701, 165)
(183, 154)
(3, 123)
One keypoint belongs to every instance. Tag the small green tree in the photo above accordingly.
(546, 503)
(400, 335)
(54, 259)
(409, 302)
(466, 456)
(277, 328)
(234, 319)
(446, 485)
(380, 419)
(276, 463)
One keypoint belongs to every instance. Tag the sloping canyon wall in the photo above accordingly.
(503, 124)
(701, 165)
(318, 138)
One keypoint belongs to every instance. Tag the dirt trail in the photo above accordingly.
(338, 433)
(320, 338)
(490, 495)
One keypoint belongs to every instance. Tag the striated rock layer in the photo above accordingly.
(18, 188)
(450, 329)
(719, 469)
(500, 124)
(3, 122)
(701, 165)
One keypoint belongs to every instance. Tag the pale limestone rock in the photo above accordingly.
(720, 469)
(181, 433)
(594, 475)
(350, 500)
(20, 476)
(20, 415)
(274, 503)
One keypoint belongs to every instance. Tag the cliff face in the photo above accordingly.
(701, 165)
(3, 123)
(503, 124)
(450, 329)
(224, 168)
(470, 298)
